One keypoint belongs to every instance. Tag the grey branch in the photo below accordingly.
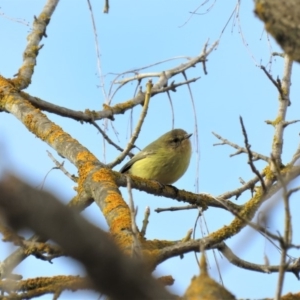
(240, 149)
(222, 247)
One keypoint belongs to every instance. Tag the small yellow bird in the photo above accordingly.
(164, 160)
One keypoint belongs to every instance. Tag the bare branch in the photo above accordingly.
(250, 156)
(136, 245)
(246, 186)
(145, 221)
(275, 82)
(107, 138)
(172, 72)
(137, 128)
(32, 49)
(284, 102)
(240, 149)
(196, 133)
(168, 191)
(286, 123)
(60, 166)
(99, 67)
(285, 242)
(176, 208)
(225, 250)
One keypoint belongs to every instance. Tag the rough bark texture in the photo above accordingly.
(282, 21)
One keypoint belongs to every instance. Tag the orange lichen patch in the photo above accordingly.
(85, 161)
(104, 175)
(33, 121)
(239, 222)
(84, 170)
(6, 84)
(56, 134)
(86, 156)
(120, 221)
(113, 200)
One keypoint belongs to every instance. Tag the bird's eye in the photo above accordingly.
(176, 140)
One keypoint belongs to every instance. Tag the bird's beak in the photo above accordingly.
(188, 135)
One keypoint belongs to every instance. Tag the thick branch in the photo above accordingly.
(111, 272)
(32, 49)
(282, 20)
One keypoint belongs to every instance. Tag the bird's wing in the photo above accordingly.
(139, 156)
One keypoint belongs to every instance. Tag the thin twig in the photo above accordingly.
(107, 138)
(106, 7)
(187, 236)
(137, 128)
(99, 67)
(201, 217)
(250, 156)
(196, 133)
(237, 192)
(255, 155)
(60, 166)
(174, 71)
(276, 83)
(286, 240)
(172, 108)
(262, 230)
(286, 123)
(194, 12)
(139, 76)
(278, 54)
(240, 30)
(175, 208)
(145, 221)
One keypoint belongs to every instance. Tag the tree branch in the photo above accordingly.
(110, 271)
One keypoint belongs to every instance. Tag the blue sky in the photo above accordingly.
(133, 35)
